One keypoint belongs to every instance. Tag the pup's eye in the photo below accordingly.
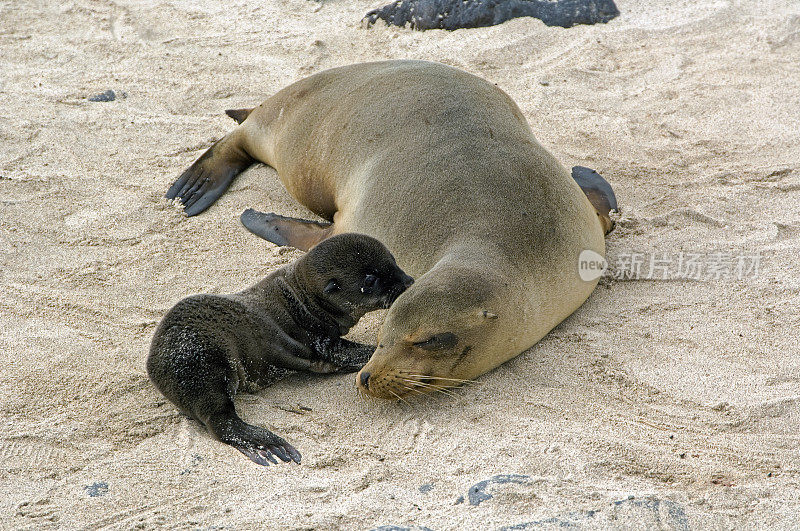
(331, 286)
(438, 342)
(370, 281)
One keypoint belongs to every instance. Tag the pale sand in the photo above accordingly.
(682, 394)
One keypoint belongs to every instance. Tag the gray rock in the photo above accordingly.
(108, 95)
(644, 513)
(96, 489)
(477, 493)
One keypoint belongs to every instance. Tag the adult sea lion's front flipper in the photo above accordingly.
(210, 175)
(599, 193)
(280, 230)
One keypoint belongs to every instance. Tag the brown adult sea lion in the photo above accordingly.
(208, 345)
(442, 167)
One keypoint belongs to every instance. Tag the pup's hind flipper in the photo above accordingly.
(258, 444)
(280, 230)
(599, 193)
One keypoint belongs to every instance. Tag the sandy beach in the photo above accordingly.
(670, 399)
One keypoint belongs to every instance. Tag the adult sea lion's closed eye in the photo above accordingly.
(438, 342)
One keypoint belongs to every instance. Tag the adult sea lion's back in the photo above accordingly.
(384, 142)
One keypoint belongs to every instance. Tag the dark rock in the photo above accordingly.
(645, 513)
(457, 14)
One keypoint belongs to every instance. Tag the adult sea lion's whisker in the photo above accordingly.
(416, 385)
(362, 394)
(400, 398)
(434, 387)
(413, 390)
(443, 378)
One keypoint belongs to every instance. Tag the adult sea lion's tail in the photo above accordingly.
(599, 193)
(210, 175)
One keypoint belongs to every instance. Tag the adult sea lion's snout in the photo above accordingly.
(436, 335)
(406, 368)
(393, 371)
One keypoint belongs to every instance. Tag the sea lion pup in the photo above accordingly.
(207, 345)
(442, 167)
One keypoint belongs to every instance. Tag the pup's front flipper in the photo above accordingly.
(347, 356)
(298, 233)
(258, 444)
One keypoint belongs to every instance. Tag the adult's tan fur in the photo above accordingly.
(442, 167)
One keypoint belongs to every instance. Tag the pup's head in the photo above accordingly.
(352, 274)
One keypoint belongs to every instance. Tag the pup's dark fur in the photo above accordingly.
(208, 345)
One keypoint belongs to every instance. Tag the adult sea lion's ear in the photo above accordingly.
(331, 286)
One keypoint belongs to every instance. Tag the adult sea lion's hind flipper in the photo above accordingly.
(599, 193)
(210, 175)
(280, 230)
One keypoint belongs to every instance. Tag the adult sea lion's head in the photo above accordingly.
(437, 334)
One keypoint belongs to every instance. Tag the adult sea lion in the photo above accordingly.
(442, 167)
(207, 345)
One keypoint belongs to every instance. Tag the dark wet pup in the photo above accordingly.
(207, 346)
